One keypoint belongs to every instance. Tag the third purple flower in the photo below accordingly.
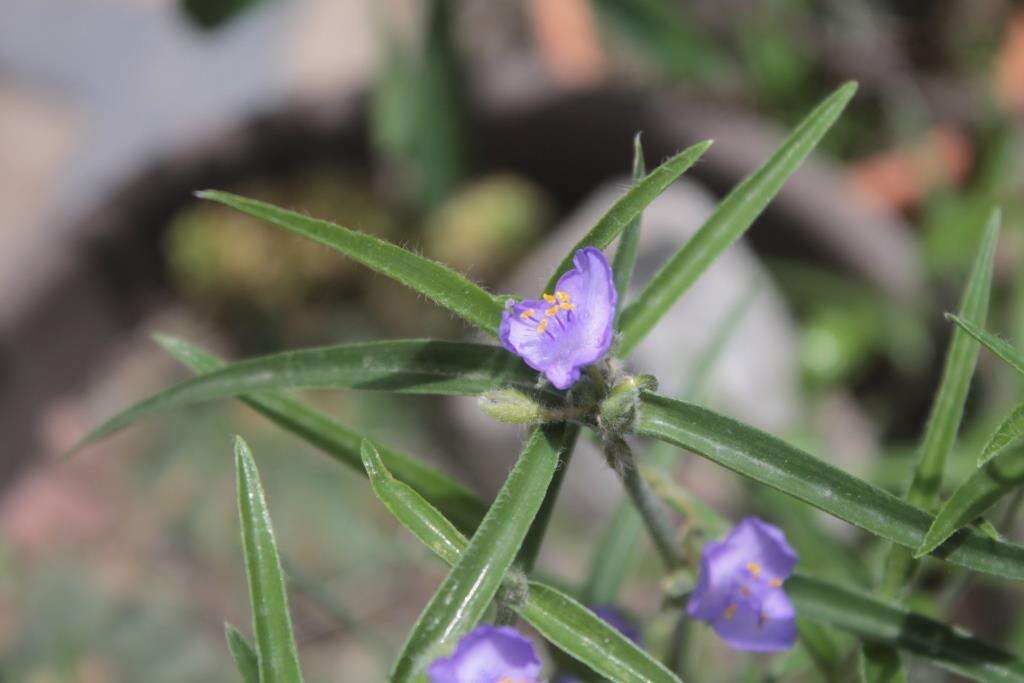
(488, 654)
(739, 591)
(569, 328)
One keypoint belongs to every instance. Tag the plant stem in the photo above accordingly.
(658, 524)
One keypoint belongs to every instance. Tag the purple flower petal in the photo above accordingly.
(739, 588)
(569, 328)
(488, 654)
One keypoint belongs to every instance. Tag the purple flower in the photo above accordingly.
(739, 590)
(562, 332)
(488, 654)
(614, 617)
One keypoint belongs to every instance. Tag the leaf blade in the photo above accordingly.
(734, 215)
(272, 625)
(434, 280)
(881, 622)
(326, 433)
(1010, 430)
(406, 366)
(243, 654)
(768, 460)
(881, 664)
(465, 593)
(631, 204)
(996, 345)
(986, 486)
(629, 242)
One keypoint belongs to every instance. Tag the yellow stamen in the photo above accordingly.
(551, 311)
(547, 297)
(731, 610)
(527, 314)
(542, 325)
(774, 583)
(754, 568)
(562, 297)
(567, 307)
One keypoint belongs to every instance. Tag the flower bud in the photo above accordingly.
(619, 407)
(511, 406)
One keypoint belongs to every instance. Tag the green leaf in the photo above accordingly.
(245, 659)
(768, 460)
(465, 593)
(341, 443)
(629, 242)
(434, 280)
(412, 510)
(626, 209)
(986, 485)
(730, 220)
(272, 625)
(881, 664)
(579, 632)
(948, 405)
(613, 555)
(567, 624)
(1009, 431)
(880, 622)
(535, 536)
(1000, 347)
(407, 366)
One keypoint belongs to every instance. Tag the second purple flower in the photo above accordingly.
(568, 329)
(739, 589)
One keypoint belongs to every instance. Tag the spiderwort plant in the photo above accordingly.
(571, 337)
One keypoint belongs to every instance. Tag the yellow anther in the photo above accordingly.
(562, 297)
(731, 610)
(527, 314)
(566, 307)
(547, 297)
(775, 583)
(551, 311)
(754, 568)
(542, 325)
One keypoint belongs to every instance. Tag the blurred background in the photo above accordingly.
(488, 135)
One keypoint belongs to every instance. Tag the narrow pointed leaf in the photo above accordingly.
(272, 625)
(881, 622)
(948, 405)
(341, 443)
(996, 345)
(632, 204)
(465, 593)
(629, 242)
(730, 220)
(406, 366)
(563, 621)
(425, 521)
(613, 555)
(245, 659)
(434, 280)
(1009, 432)
(1001, 475)
(579, 632)
(881, 664)
(768, 460)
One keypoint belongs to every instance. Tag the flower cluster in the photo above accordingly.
(739, 589)
(569, 329)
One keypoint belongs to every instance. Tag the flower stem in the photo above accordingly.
(620, 456)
